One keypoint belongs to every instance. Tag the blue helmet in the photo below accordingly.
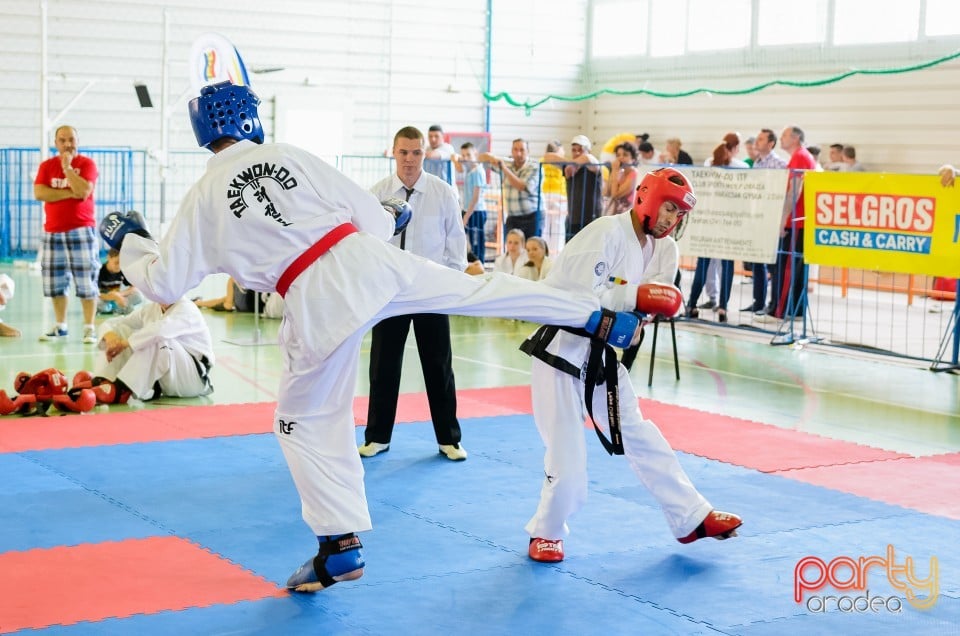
(225, 110)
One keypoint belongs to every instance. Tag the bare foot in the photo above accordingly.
(7, 331)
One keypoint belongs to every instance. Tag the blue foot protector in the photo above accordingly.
(339, 559)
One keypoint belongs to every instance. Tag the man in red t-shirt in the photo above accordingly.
(70, 244)
(787, 287)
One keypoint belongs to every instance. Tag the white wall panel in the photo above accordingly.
(900, 122)
(538, 49)
(396, 63)
(423, 62)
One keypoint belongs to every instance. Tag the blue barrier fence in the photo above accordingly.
(121, 185)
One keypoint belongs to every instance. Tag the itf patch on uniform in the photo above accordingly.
(600, 268)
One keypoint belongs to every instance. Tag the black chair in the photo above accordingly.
(653, 346)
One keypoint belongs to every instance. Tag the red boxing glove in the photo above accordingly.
(77, 400)
(657, 299)
(20, 403)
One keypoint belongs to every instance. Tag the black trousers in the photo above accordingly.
(528, 223)
(432, 332)
(788, 285)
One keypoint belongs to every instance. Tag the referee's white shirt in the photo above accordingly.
(436, 229)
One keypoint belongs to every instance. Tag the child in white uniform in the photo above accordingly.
(157, 346)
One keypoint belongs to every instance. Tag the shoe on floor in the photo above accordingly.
(373, 448)
(89, 335)
(106, 308)
(339, 559)
(722, 315)
(765, 317)
(55, 333)
(710, 304)
(719, 525)
(546, 550)
(692, 312)
(751, 308)
(454, 452)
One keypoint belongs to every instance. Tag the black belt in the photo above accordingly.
(203, 369)
(601, 368)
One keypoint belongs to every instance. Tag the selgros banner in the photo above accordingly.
(884, 222)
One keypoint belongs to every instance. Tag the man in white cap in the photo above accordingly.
(584, 186)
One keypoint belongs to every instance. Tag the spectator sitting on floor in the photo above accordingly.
(157, 349)
(236, 299)
(7, 288)
(515, 256)
(538, 260)
(117, 295)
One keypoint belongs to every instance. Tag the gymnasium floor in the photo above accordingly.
(180, 515)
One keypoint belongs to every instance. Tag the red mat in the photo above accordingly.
(413, 407)
(146, 425)
(753, 445)
(953, 459)
(920, 483)
(19, 434)
(66, 585)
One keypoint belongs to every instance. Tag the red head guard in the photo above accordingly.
(665, 184)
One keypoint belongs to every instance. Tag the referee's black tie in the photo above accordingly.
(403, 234)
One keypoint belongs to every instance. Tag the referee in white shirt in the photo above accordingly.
(435, 232)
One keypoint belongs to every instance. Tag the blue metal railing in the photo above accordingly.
(121, 185)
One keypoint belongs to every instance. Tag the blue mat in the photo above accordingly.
(448, 550)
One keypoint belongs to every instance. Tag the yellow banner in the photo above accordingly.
(885, 222)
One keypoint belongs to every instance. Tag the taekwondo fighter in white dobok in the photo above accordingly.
(156, 350)
(606, 257)
(277, 218)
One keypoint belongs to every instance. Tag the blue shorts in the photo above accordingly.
(74, 254)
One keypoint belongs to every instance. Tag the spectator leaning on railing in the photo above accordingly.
(521, 188)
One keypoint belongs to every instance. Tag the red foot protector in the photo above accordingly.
(92, 582)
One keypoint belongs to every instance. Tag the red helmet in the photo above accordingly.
(665, 184)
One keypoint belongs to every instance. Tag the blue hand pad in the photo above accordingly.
(115, 226)
(616, 329)
(401, 211)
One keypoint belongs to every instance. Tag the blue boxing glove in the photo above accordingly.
(115, 226)
(401, 211)
(615, 328)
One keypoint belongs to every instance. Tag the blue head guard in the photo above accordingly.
(225, 110)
